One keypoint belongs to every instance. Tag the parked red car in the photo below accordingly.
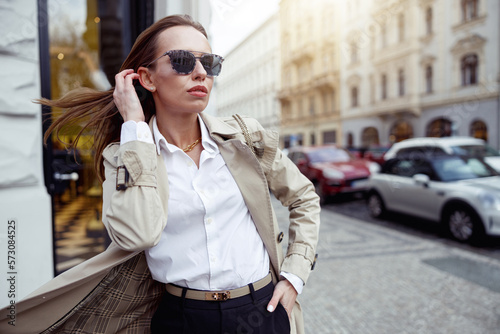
(376, 154)
(333, 170)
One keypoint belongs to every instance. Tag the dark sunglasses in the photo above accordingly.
(184, 62)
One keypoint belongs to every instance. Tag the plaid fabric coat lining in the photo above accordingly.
(123, 302)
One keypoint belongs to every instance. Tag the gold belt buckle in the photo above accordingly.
(218, 296)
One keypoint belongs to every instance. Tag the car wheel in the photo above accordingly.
(376, 205)
(463, 224)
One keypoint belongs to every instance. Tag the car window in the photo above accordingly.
(399, 167)
(420, 150)
(461, 169)
(296, 156)
(475, 150)
(409, 167)
(329, 154)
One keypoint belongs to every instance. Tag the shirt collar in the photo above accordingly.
(162, 144)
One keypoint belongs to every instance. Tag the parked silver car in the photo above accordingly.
(447, 145)
(461, 192)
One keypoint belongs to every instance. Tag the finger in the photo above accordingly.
(273, 303)
(130, 78)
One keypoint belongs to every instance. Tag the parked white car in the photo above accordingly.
(461, 192)
(449, 145)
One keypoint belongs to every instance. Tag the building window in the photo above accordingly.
(384, 87)
(354, 52)
(401, 27)
(311, 106)
(440, 127)
(383, 36)
(428, 21)
(350, 139)
(401, 82)
(468, 66)
(478, 129)
(428, 79)
(369, 137)
(469, 9)
(354, 96)
(330, 137)
(400, 131)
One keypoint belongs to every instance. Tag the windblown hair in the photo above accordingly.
(96, 110)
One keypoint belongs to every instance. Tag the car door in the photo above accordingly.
(412, 197)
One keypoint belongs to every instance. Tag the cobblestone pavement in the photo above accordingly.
(372, 279)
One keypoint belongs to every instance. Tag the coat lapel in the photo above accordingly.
(251, 180)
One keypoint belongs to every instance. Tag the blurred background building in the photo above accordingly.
(416, 68)
(373, 72)
(251, 78)
(310, 81)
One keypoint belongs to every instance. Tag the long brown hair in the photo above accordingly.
(97, 110)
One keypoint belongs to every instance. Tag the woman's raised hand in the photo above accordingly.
(125, 96)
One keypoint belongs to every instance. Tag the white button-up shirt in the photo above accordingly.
(210, 241)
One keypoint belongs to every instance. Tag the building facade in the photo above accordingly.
(416, 68)
(249, 82)
(310, 72)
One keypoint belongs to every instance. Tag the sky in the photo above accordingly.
(234, 20)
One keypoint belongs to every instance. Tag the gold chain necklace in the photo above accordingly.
(190, 147)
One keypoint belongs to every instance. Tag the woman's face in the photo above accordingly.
(180, 93)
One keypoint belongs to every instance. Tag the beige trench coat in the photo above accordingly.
(113, 292)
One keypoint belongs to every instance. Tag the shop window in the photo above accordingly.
(369, 137)
(478, 129)
(330, 137)
(440, 127)
(88, 41)
(401, 131)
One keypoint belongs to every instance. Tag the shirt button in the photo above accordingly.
(209, 221)
(189, 163)
(213, 259)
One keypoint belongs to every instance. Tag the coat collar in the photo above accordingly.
(218, 129)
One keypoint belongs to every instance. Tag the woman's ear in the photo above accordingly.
(145, 78)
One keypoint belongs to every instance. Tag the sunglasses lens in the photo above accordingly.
(212, 64)
(183, 62)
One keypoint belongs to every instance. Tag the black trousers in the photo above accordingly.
(243, 315)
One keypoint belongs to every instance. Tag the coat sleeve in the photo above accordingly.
(296, 193)
(133, 216)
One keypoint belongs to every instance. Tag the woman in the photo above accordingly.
(196, 246)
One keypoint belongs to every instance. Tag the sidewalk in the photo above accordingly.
(371, 279)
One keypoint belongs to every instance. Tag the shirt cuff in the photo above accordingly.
(132, 130)
(297, 283)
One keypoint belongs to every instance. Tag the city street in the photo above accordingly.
(376, 277)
